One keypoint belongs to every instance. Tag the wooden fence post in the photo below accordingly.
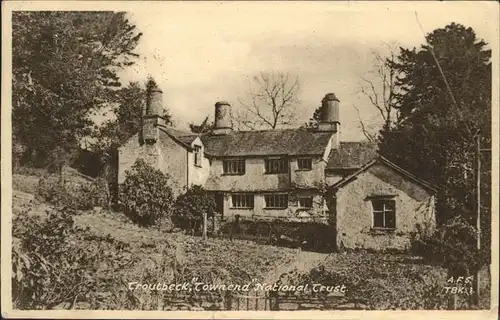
(204, 225)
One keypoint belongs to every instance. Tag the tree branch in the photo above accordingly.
(366, 133)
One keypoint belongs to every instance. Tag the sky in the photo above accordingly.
(200, 53)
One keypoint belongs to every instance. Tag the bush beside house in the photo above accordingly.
(452, 246)
(145, 195)
(190, 206)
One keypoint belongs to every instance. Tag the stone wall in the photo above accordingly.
(166, 155)
(414, 206)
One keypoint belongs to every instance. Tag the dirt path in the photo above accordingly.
(301, 263)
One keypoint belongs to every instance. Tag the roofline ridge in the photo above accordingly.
(175, 138)
(188, 133)
(349, 178)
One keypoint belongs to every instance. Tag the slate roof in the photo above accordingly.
(351, 155)
(380, 159)
(183, 137)
(269, 142)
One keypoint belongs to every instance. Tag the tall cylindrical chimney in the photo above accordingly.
(153, 115)
(330, 108)
(329, 118)
(154, 102)
(223, 122)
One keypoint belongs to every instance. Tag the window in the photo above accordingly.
(278, 165)
(384, 213)
(197, 156)
(242, 201)
(276, 201)
(304, 163)
(234, 166)
(305, 202)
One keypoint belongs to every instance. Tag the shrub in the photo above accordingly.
(71, 193)
(145, 194)
(47, 269)
(452, 246)
(189, 208)
(58, 265)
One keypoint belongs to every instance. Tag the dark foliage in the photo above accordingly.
(64, 67)
(432, 128)
(145, 195)
(203, 127)
(452, 246)
(50, 268)
(190, 206)
(435, 136)
(307, 235)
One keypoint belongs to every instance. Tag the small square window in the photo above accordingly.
(304, 163)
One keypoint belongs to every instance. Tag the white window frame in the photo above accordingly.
(234, 166)
(309, 160)
(384, 212)
(237, 204)
(277, 201)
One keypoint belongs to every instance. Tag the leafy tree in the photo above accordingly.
(190, 206)
(439, 117)
(314, 120)
(145, 194)
(64, 67)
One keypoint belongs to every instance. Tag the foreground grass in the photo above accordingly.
(236, 260)
(150, 256)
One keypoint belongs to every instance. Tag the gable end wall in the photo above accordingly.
(414, 205)
(166, 155)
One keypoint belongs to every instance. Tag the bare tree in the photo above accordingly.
(270, 104)
(379, 87)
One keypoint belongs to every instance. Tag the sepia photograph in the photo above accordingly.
(299, 160)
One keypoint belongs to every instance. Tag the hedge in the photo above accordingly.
(307, 235)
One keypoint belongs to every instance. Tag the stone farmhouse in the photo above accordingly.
(292, 174)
